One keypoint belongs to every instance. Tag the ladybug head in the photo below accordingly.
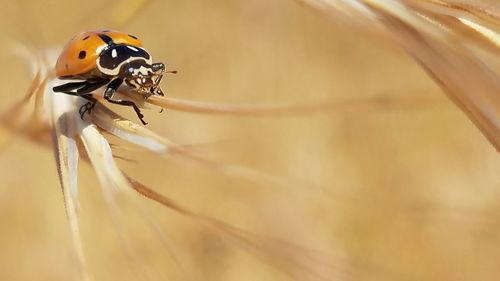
(132, 64)
(143, 77)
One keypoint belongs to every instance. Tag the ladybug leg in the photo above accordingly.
(158, 67)
(82, 89)
(87, 107)
(92, 86)
(159, 92)
(69, 86)
(108, 95)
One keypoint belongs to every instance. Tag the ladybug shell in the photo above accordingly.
(80, 54)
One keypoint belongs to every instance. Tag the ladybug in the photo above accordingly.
(107, 58)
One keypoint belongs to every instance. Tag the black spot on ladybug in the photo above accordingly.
(133, 36)
(82, 55)
(86, 37)
(67, 66)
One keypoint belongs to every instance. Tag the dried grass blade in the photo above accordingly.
(467, 25)
(128, 130)
(66, 154)
(467, 81)
(277, 251)
(465, 7)
(114, 184)
(139, 135)
(368, 104)
(464, 77)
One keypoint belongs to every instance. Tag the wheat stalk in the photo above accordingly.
(443, 36)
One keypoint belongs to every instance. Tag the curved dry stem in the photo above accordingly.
(256, 176)
(484, 12)
(125, 129)
(467, 81)
(114, 187)
(112, 184)
(115, 124)
(66, 154)
(442, 52)
(274, 250)
(328, 106)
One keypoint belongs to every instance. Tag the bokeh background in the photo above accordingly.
(402, 187)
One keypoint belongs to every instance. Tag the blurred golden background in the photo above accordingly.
(401, 188)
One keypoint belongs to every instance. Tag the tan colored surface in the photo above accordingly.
(407, 192)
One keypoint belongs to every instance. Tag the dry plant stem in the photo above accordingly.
(112, 183)
(142, 136)
(66, 154)
(368, 104)
(62, 120)
(475, 93)
(288, 252)
(117, 125)
(67, 174)
(97, 147)
(475, 8)
(440, 44)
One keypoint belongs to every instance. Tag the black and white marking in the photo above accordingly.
(112, 59)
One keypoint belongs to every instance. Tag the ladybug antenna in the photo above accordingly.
(171, 71)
